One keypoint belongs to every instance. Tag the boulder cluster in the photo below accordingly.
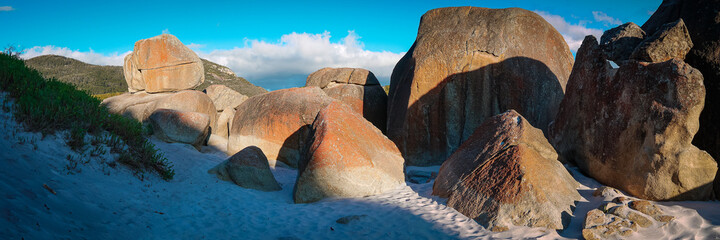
(494, 96)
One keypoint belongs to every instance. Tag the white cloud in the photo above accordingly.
(301, 54)
(603, 17)
(195, 46)
(573, 33)
(6, 8)
(165, 31)
(91, 57)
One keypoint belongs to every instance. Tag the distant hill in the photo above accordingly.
(92, 78)
(109, 79)
(219, 74)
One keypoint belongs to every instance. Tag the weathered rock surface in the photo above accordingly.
(356, 87)
(346, 156)
(631, 129)
(672, 40)
(703, 24)
(140, 105)
(468, 64)
(248, 168)
(180, 126)
(620, 42)
(619, 220)
(277, 122)
(224, 97)
(161, 64)
(506, 174)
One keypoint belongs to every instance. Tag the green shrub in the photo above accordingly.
(47, 106)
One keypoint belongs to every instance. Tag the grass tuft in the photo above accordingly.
(47, 105)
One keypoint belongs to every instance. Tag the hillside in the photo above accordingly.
(92, 78)
(108, 79)
(219, 74)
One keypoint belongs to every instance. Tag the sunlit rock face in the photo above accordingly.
(346, 156)
(162, 64)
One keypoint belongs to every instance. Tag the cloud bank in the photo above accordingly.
(573, 33)
(301, 54)
(90, 57)
(6, 8)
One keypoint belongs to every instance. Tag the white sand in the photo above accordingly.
(99, 202)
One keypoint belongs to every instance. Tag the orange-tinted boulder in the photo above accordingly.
(277, 122)
(356, 87)
(507, 173)
(162, 64)
(468, 64)
(180, 126)
(346, 156)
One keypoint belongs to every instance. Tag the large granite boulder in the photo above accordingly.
(180, 126)
(672, 40)
(277, 122)
(140, 105)
(247, 168)
(620, 42)
(468, 64)
(506, 174)
(224, 97)
(703, 24)
(356, 87)
(346, 156)
(162, 64)
(632, 127)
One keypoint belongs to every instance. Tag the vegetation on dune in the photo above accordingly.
(49, 105)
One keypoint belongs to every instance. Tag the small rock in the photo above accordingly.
(248, 168)
(640, 219)
(594, 218)
(646, 207)
(591, 234)
(626, 232)
(499, 228)
(665, 218)
(620, 200)
(349, 219)
(605, 191)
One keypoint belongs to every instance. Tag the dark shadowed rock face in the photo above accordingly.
(468, 64)
(346, 156)
(356, 87)
(670, 41)
(506, 174)
(619, 42)
(180, 126)
(277, 122)
(248, 168)
(702, 18)
(631, 128)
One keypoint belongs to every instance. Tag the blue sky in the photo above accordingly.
(274, 44)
